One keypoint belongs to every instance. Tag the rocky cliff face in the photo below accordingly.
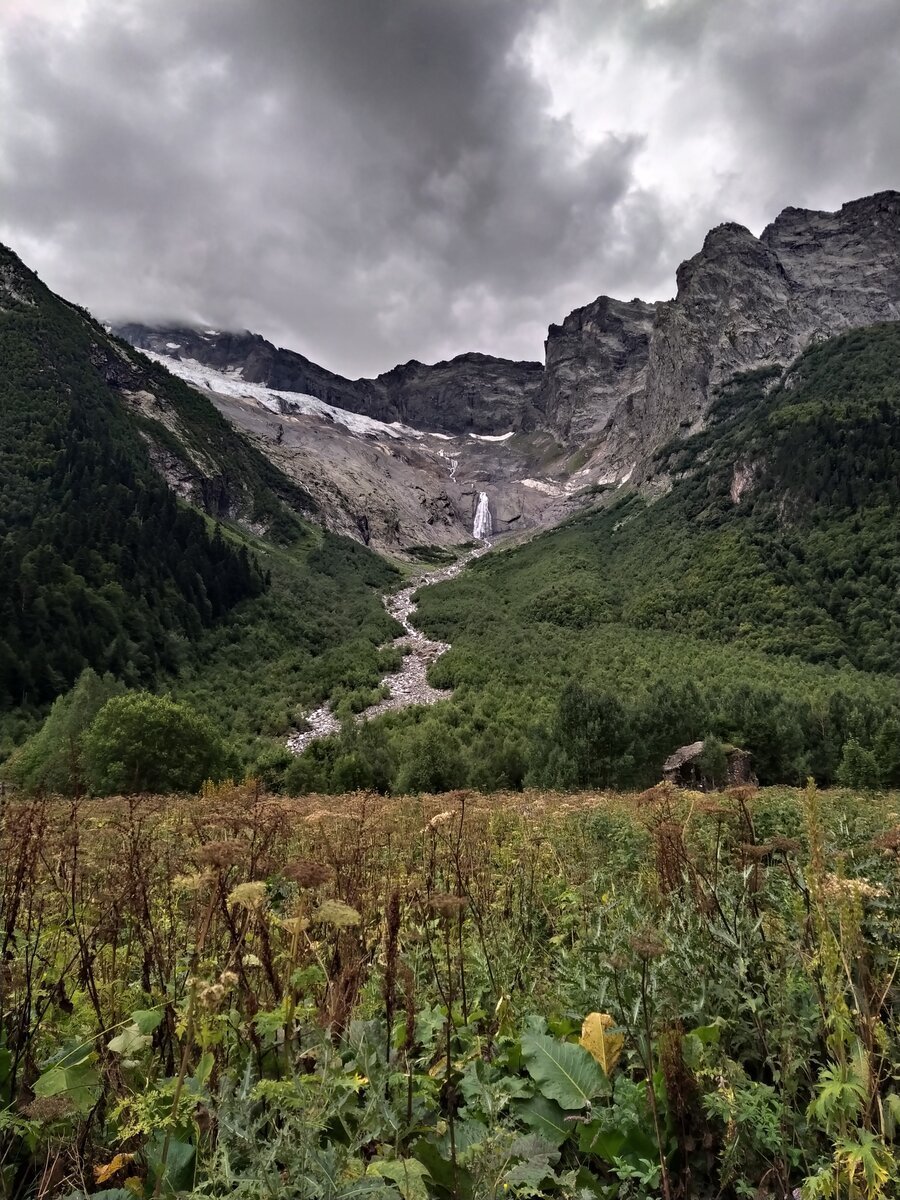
(635, 375)
(621, 379)
(596, 361)
(470, 393)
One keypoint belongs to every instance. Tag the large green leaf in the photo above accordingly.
(563, 1071)
(130, 1041)
(78, 1083)
(180, 1162)
(408, 1174)
(445, 1183)
(147, 1019)
(628, 1142)
(544, 1117)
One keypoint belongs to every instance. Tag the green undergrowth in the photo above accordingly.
(456, 997)
(315, 634)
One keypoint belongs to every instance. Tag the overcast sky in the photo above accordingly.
(369, 181)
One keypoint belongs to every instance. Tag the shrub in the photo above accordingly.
(145, 743)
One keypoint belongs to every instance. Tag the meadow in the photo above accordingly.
(452, 996)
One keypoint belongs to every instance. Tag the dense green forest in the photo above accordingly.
(770, 621)
(102, 567)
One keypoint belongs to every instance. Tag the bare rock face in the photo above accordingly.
(596, 360)
(621, 378)
(635, 375)
(470, 393)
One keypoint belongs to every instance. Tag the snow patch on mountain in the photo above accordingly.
(227, 383)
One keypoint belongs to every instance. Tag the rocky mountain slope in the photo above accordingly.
(620, 380)
(388, 484)
(471, 393)
(142, 534)
(631, 376)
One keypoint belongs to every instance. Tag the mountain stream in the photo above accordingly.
(409, 685)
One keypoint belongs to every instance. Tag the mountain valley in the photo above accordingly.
(620, 379)
(681, 492)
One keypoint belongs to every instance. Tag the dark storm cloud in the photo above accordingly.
(372, 180)
(803, 94)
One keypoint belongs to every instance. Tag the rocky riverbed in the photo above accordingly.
(409, 685)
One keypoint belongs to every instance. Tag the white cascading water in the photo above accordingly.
(483, 527)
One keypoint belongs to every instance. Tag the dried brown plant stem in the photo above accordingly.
(189, 1027)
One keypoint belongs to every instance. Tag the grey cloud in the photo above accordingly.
(373, 180)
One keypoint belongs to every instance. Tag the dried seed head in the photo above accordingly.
(889, 840)
(836, 887)
(647, 946)
(294, 925)
(447, 906)
(220, 855)
(742, 793)
(306, 873)
(786, 845)
(211, 996)
(757, 850)
(338, 914)
(715, 811)
(48, 1108)
(229, 979)
(192, 883)
(251, 896)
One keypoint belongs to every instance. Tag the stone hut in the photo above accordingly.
(683, 768)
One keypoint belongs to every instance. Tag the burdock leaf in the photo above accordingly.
(147, 1019)
(604, 1046)
(544, 1117)
(129, 1041)
(563, 1071)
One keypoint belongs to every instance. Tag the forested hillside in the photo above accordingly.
(134, 519)
(756, 601)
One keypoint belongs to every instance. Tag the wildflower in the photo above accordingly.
(228, 979)
(319, 815)
(447, 906)
(220, 855)
(251, 960)
(307, 874)
(251, 896)
(338, 914)
(440, 818)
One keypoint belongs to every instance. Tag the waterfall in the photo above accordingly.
(483, 528)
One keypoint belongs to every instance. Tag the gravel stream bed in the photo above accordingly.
(407, 686)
